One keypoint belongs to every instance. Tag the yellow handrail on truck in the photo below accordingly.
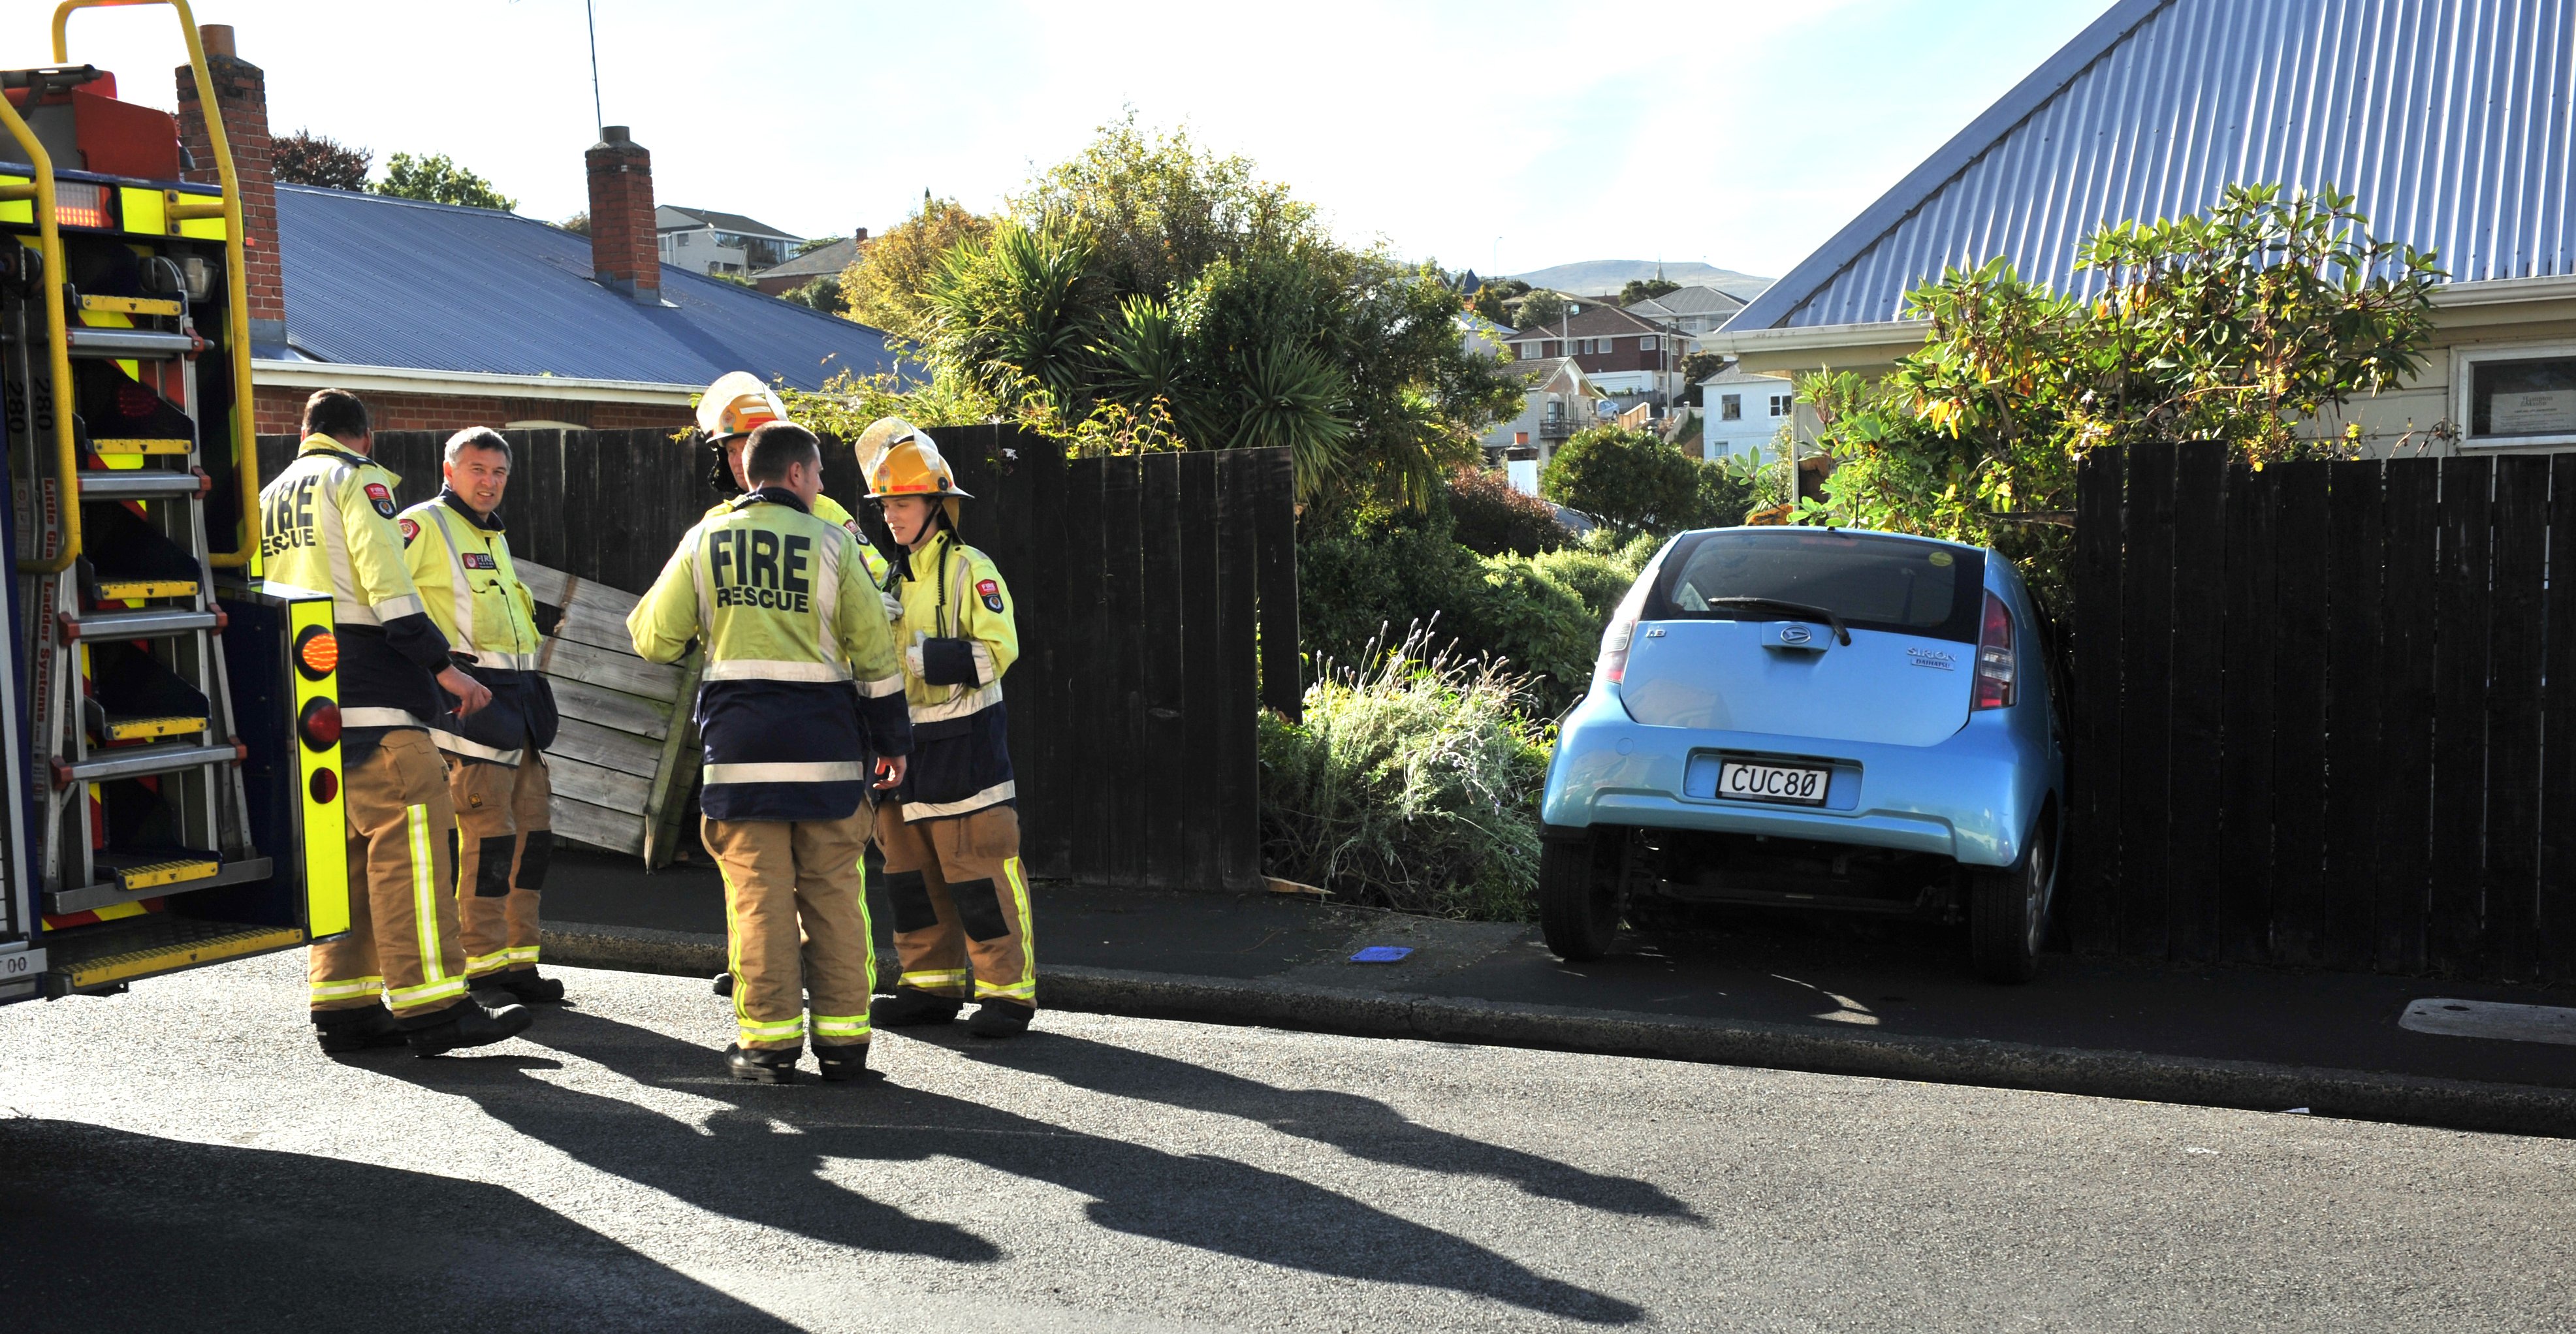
(237, 335)
(49, 250)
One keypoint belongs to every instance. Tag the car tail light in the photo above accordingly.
(319, 724)
(1623, 628)
(1995, 657)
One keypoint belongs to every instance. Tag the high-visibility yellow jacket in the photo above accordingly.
(802, 683)
(327, 524)
(460, 561)
(959, 637)
(832, 511)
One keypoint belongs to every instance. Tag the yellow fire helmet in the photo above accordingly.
(905, 462)
(736, 404)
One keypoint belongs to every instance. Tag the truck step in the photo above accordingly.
(139, 761)
(133, 305)
(117, 728)
(156, 870)
(131, 447)
(110, 898)
(139, 483)
(116, 625)
(110, 952)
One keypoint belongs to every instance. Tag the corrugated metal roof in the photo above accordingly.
(377, 281)
(2451, 121)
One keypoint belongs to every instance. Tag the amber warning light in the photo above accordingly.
(317, 653)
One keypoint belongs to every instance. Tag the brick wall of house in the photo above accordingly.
(279, 410)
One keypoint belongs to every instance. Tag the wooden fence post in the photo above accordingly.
(2356, 547)
(2092, 918)
(2402, 844)
(2194, 851)
(2241, 925)
(2514, 657)
(2146, 701)
(2556, 909)
(2460, 715)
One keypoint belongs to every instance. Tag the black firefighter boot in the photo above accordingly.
(1001, 1019)
(907, 1008)
(345, 1031)
(468, 1024)
(521, 985)
(762, 1067)
(724, 983)
(845, 1062)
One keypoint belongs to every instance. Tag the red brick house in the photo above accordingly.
(1620, 353)
(443, 317)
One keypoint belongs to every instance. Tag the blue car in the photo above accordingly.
(1814, 718)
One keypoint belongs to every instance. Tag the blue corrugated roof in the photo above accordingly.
(2451, 121)
(376, 281)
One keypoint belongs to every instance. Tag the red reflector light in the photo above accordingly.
(1995, 657)
(80, 204)
(319, 724)
(317, 653)
(325, 787)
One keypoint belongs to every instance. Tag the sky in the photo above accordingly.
(1503, 137)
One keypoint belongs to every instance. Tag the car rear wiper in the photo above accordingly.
(1842, 633)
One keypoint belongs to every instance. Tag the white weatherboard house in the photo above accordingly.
(1741, 413)
(2450, 122)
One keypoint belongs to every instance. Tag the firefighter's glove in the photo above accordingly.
(947, 662)
(893, 606)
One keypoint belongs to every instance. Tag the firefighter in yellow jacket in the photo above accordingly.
(496, 768)
(802, 684)
(327, 523)
(952, 843)
(738, 404)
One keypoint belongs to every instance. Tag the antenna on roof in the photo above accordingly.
(590, 16)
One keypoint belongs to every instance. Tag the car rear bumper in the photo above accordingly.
(1971, 797)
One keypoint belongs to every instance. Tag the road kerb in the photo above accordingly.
(2140, 1076)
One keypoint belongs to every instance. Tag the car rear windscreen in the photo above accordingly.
(1874, 583)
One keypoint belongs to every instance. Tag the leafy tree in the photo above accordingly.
(886, 287)
(823, 294)
(1645, 289)
(306, 158)
(2240, 326)
(439, 180)
(1148, 280)
(1698, 366)
(1537, 308)
(578, 224)
(737, 279)
(811, 244)
(1630, 480)
(1492, 519)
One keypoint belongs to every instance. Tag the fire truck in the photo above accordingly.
(173, 775)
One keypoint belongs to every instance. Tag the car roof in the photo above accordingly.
(1864, 532)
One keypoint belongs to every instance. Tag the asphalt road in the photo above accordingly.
(183, 1157)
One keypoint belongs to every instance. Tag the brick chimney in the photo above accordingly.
(241, 97)
(625, 255)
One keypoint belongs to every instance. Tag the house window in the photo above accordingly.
(1646, 344)
(684, 238)
(1730, 407)
(2517, 396)
(1780, 404)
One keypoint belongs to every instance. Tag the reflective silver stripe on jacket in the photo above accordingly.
(449, 741)
(517, 662)
(826, 771)
(999, 792)
(963, 704)
(882, 686)
(460, 585)
(776, 669)
(379, 718)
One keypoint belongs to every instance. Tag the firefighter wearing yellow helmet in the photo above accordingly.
(732, 408)
(952, 839)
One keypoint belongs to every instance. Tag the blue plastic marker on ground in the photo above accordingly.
(1382, 954)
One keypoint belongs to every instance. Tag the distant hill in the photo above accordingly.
(1595, 276)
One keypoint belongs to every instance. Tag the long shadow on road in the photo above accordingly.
(1364, 1128)
(746, 1170)
(111, 1230)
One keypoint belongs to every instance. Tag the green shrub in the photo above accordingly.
(1538, 627)
(1492, 519)
(1599, 579)
(1412, 783)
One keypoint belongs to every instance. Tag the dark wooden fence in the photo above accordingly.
(2324, 714)
(1156, 597)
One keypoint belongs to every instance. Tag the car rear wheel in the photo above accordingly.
(2008, 911)
(1578, 894)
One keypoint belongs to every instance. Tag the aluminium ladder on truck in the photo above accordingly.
(172, 785)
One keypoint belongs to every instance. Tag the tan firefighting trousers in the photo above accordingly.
(505, 840)
(796, 888)
(958, 895)
(403, 941)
